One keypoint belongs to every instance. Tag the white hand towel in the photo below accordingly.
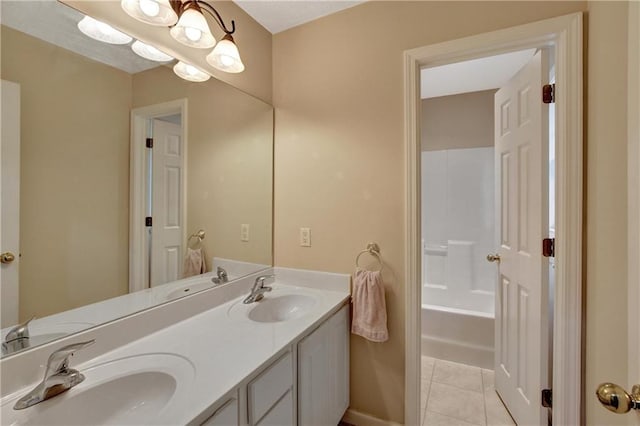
(194, 262)
(369, 306)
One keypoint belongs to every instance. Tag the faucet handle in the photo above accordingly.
(20, 331)
(260, 280)
(59, 360)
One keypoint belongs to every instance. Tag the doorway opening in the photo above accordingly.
(563, 37)
(464, 169)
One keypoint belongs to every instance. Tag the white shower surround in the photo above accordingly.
(458, 229)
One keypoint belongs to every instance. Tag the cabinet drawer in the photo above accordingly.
(267, 388)
(281, 414)
(226, 415)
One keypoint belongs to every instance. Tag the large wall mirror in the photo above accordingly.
(85, 254)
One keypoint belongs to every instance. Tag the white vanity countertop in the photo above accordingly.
(223, 350)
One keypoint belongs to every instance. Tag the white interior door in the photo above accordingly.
(521, 131)
(167, 234)
(9, 203)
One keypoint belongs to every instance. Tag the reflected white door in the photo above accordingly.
(521, 351)
(10, 203)
(167, 194)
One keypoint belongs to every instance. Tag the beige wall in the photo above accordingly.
(458, 121)
(339, 154)
(606, 205)
(74, 189)
(229, 162)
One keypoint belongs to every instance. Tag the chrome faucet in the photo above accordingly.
(222, 276)
(58, 377)
(17, 338)
(258, 290)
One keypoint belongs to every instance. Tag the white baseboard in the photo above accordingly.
(357, 418)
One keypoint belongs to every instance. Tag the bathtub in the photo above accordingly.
(458, 335)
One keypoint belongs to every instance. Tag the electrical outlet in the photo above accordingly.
(305, 237)
(244, 232)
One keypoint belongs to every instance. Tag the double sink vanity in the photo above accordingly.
(205, 359)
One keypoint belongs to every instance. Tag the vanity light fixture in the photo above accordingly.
(102, 32)
(149, 52)
(189, 72)
(190, 28)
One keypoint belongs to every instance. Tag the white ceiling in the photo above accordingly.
(472, 76)
(280, 15)
(56, 23)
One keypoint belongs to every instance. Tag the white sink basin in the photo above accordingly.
(144, 389)
(274, 308)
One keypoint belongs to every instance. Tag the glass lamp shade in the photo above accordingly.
(189, 72)
(225, 56)
(192, 30)
(153, 12)
(102, 32)
(149, 52)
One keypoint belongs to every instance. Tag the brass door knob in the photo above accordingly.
(7, 257)
(616, 399)
(493, 257)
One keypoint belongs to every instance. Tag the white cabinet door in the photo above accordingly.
(226, 415)
(281, 414)
(265, 391)
(323, 372)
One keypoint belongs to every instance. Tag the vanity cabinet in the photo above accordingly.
(323, 372)
(308, 385)
(225, 415)
(270, 395)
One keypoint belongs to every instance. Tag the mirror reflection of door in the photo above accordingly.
(10, 203)
(166, 201)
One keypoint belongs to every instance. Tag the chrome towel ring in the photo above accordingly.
(374, 250)
(199, 235)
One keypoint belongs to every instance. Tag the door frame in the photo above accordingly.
(564, 34)
(138, 250)
(10, 189)
(633, 128)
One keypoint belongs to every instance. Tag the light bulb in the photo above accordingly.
(149, 8)
(193, 34)
(226, 60)
(191, 70)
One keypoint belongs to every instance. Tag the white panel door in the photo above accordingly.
(10, 202)
(521, 132)
(167, 233)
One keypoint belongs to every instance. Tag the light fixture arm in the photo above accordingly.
(201, 5)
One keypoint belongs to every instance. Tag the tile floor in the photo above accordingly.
(455, 394)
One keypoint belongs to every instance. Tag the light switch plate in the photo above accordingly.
(305, 237)
(244, 232)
